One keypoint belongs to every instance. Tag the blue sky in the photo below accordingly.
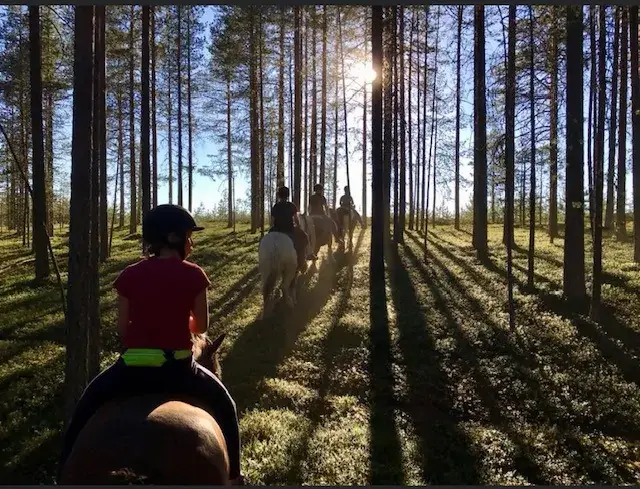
(208, 193)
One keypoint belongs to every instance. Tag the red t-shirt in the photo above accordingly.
(161, 292)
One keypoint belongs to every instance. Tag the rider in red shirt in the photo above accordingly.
(161, 301)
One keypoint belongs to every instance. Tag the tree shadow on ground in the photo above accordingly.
(264, 343)
(234, 296)
(446, 452)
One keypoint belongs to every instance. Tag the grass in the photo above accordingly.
(418, 381)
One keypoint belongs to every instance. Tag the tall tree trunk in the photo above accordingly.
(608, 217)
(346, 126)
(145, 172)
(253, 120)
(509, 157)
(387, 89)
(39, 186)
(553, 131)
(403, 129)
(101, 23)
(417, 206)
(229, 160)
(154, 127)
(423, 203)
(458, 100)
(305, 120)
(262, 166)
(376, 261)
(532, 183)
(434, 132)
(179, 69)
(635, 126)
(48, 151)
(314, 104)
(574, 284)
(121, 158)
(80, 273)
(621, 201)
(133, 218)
(593, 110)
(596, 283)
(297, 145)
(291, 118)
(323, 115)
(364, 132)
(169, 123)
(280, 156)
(410, 112)
(480, 138)
(189, 118)
(394, 88)
(336, 125)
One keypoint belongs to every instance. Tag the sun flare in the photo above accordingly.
(363, 72)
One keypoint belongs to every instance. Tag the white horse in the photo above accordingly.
(307, 224)
(277, 261)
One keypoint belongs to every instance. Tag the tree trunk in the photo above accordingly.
(417, 205)
(154, 126)
(458, 100)
(323, 115)
(297, 144)
(39, 186)
(608, 217)
(229, 160)
(433, 136)
(532, 183)
(574, 284)
(635, 126)
(313, 170)
(305, 117)
(376, 261)
(262, 166)
(596, 283)
(280, 157)
(410, 112)
(403, 129)
(80, 272)
(48, 151)
(423, 188)
(509, 157)
(621, 201)
(394, 88)
(387, 88)
(593, 108)
(179, 69)
(364, 133)
(169, 123)
(253, 121)
(101, 23)
(121, 158)
(133, 217)
(480, 138)
(145, 172)
(553, 134)
(336, 125)
(189, 118)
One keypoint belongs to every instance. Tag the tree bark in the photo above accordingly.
(313, 149)
(532, 183)
(509, 157)
(608, 217)
(230, 161)
(403, 129)
(480, 138)
(179, 70)
(133, 217)
(323, 115)
(39, 186)
(553, 134)
(297, 144)
(80, 273)
(154, 126)
(280, 156)
(189, 114)
(145, 172)
(635, 126)
(376, 261)
(364, 133)
(458, 100)
(621, 201)
(573, 279)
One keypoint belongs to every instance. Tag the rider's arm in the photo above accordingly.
(200, 312)
(123, 314)
(296, 219)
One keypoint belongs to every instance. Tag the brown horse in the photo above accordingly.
(153, 439)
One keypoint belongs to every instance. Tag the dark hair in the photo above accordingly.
(346, 189)
(317, 187)
(283, 193)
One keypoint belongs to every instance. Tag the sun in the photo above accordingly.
(363, 72)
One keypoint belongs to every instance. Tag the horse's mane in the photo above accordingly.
(199, 343)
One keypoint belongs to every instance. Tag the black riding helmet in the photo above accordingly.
(317, 187)
(283, 193)
(165, 219)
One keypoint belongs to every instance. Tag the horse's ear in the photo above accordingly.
(215, 344)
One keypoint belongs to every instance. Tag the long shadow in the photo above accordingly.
(447, 457)
(264, 343)
(235, 295)
(385, 449)
(526, 365)
(333, 343)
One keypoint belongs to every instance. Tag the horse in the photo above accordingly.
(355, 219)
(155, 439)
(321, 231)
(277, 261)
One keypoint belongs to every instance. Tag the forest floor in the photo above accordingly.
(437, 390)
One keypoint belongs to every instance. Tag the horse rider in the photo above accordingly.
(318, 207)
(285, 219)
(162, 299)
(346, 206)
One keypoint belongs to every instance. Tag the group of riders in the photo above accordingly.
(162, 302)
(285, 219)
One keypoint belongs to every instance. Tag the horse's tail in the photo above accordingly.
(126, 477)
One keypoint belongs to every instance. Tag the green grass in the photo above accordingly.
(432, 388)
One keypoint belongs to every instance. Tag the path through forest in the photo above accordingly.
(438, 391)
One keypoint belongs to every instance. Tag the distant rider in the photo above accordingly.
(285, 219)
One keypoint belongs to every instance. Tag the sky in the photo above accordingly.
(208, 192)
